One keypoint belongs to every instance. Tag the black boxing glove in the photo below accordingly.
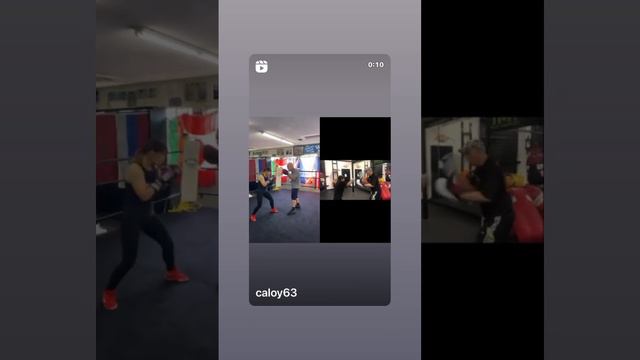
(166, 173)
(159, 186)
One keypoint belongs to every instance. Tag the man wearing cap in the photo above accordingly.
(495, 203)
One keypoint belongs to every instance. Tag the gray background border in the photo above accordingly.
(47, 151)
(592, 138)
(591, 271)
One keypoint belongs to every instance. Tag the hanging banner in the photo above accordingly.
(106, 148)
(311, 149)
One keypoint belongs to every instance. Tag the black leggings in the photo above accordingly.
(260, 194)
(131, 227)
(375, 194)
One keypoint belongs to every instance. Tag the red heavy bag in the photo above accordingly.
(536, 195)
(528, 225)
(206, 177)
(385, 191)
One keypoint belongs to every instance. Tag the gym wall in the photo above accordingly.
(447, 134)
(196, 93)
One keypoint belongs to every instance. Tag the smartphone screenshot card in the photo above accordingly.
(320, 186)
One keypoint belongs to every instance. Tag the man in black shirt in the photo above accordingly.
(373, 184)
(495, 202)
(339, 186)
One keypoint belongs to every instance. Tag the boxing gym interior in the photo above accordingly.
(156, 78)
(353, 173)
(515, 144)
(274, 143)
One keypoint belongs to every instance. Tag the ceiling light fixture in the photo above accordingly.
(167, 41)
(273, 137)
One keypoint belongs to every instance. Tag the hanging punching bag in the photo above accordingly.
(385, 191)
(528, 225)
(536, 195)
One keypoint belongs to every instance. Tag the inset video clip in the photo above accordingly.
(284, 180)
(483, 180)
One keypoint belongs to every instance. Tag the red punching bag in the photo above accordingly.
(536, 195)
(528, 225)
(385, 191)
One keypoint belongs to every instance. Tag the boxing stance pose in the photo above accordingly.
(294, 179)
(339, 186)
(495, 203)
(264, 179)
(145, 179)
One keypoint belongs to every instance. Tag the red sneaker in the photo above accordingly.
(252, 218)
(176, 275)
(109, 300)
(274, 210)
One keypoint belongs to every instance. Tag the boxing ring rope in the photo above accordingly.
(154, 202)
(172, 196)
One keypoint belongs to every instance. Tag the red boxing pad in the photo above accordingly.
(461, 184)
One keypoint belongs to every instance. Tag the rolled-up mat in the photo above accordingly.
(189, 177)
(528, 225)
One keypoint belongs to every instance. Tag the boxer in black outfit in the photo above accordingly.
(495, 202)
(146, 178)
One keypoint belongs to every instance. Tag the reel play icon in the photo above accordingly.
(262, 66)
